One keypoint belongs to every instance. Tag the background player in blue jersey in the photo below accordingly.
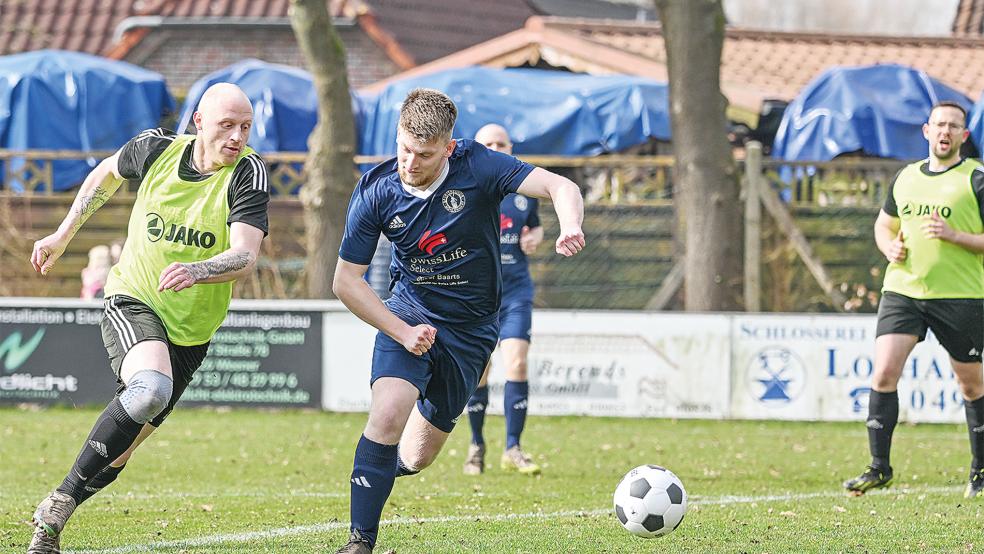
(519, 235)
(438, 204)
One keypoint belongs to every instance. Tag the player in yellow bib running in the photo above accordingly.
(197, 224)
(931, 229)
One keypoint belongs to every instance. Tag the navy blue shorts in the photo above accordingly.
(516, 320)
(446, 375)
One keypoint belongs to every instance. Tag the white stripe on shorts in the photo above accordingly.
(123, 328)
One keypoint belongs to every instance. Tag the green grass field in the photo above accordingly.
(262, 481)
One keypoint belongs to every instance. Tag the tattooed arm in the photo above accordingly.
(236, 262)
(98, 186)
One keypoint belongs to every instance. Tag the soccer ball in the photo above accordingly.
(650, 501)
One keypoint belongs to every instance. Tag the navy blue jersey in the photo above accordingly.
(515, 212)
(445, 247)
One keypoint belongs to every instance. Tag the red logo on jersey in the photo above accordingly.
(429, 242)
(505, 222)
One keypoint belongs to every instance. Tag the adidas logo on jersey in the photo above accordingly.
(396, 223)
(974, 352)
(361, 481)
(99, 447)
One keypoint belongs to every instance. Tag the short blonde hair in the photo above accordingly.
(428, 114)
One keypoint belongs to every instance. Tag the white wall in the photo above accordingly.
(862, 17)
(708, 366)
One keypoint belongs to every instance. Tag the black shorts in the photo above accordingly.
(127, 321)
(958, 323)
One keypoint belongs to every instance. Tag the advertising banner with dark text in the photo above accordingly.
(52, 352)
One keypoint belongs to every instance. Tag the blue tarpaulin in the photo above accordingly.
(545, 112)
(976, 124)
(285, 105)
(878, 110)
(56, 100)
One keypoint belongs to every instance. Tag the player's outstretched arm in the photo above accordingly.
(101, 183)
(566, 198)
(350, 286)
(238, 261)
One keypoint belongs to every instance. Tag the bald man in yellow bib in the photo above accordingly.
(196, 226)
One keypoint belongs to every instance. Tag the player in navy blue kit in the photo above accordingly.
(519, 235)
(438, 203)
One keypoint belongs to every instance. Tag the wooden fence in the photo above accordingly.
(630, 222)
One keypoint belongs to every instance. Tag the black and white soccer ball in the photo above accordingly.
(650, 501)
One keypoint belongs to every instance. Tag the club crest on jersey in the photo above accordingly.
(428, 242)
(158, 229)
(453, 201)
(521, 202)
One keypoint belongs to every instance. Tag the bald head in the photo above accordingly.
(224, 119)
(224, 96)
(494, 137)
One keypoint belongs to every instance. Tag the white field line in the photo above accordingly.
(123, 497)
(248, 536)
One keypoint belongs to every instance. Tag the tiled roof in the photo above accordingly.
(225, 8)
(200, 10)
(781, 64)
(969, 21)
(409, 31)
(755, 65)
(429, 29)
(89, 25)
(82, 25)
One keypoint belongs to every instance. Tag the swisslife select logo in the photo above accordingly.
(505, 222)
(431, 265)
(429, 242)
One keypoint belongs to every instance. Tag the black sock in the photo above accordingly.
(476, 407)
(883, 414)
(99, 482)
(373, 473)
(516, 398)
(112, 434)
(974, 410)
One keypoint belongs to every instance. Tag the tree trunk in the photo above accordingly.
(706, 178)
(329, 167)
